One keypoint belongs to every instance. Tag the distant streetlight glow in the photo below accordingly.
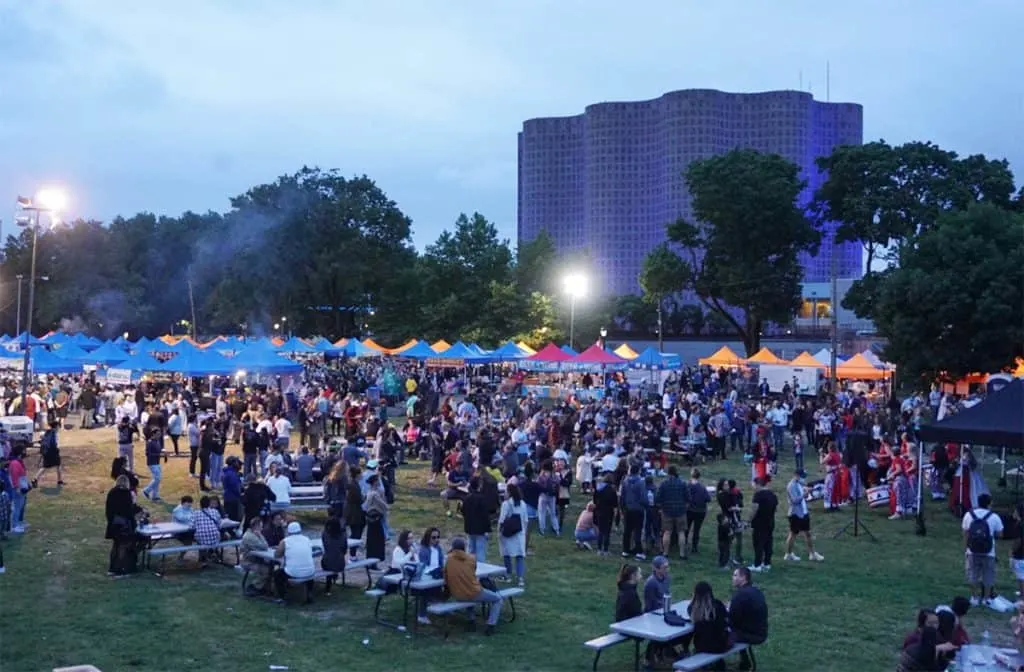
(575, 287)
(51, 199)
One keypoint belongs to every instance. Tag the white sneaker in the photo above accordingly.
(586, 545)
(640, 556)
(974, 601)
(817, 557)
(766, 568)
(18, 529)
(755, 568)
(895, 516)
(423, 620)
(792, 556)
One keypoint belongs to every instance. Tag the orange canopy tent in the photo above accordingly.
(807, 359)
(440, 346)
(341, 343)
(402, 348)
(525, 348)
(219, 339)
(723, 357)
(626, 352)
(859, 367)
(373, 345)
(765, 356)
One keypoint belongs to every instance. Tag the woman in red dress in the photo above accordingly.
(883, 460)
(832, 461)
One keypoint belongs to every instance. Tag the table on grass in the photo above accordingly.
(651, 626)
(305, 491)
(154, 533)
(318, 550)
(417, 587)
(978, 658)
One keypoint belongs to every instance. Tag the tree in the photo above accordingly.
(741, 260)
(663, 274)
(535, 261)
(458, 272)
(635, 314)
(692, 318)
(954, 305)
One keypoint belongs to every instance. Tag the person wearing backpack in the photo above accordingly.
(981, 527)
(50, 455)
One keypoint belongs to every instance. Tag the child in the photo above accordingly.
(183, 514)
(798, 451)
(724, 540)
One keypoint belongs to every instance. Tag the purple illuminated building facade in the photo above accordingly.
(609, 180)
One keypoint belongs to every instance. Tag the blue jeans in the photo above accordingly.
(153, 489)
(216, 464)
(487, 597)
(778, 434)
(17, 508)
(587, 536)
(546, 510)
(478, 546)
(520, 565)
(249, 464)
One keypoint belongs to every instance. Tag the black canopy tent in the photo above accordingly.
(998, 420)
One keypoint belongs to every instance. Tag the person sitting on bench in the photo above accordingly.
(296, 553)
(259, 571)
(748, 614)
(464, 586)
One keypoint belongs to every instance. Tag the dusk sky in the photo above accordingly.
(173, 106)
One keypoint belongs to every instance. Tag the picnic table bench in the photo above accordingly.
(157, 532)
(699, 661)
(649, 626)
(321, 574)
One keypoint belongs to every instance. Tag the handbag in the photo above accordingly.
(512, 525)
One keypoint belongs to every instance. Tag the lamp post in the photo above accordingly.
(604, 335)
(284, 326)
(50, 201)
(17, 320)
(575, 287)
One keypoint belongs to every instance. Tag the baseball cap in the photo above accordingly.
(371, 465)
(659, 561)
(294, 527)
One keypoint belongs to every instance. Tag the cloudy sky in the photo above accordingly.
(169, 106)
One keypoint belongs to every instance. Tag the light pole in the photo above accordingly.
(604, 335)
(575, 287)
(284, 327)
(277, 328)
(17, 321)
(50, 201)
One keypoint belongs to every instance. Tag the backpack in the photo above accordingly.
(979, 535)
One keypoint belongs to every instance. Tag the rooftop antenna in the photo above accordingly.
(828, 83)
(801, 88)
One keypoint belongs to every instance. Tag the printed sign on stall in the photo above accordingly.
(119, 376)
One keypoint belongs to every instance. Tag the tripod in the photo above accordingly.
(856, 523)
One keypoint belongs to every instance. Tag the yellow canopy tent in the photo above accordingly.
(1019, 371)
(440, 346)
(341, 343)
(525, 348)
(402, 348)
(373, 345)
(626, 352)
(723, 357)
(765, 356)
(858, 367)
(171, 340)
(807, 359)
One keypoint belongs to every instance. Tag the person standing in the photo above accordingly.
(673, 497)
(632, 498)
(697, 510)
(154, 451)
(476, 520)
(799, 519)
(981, 526)
(50, 455)
(762, 525)
(126, 431)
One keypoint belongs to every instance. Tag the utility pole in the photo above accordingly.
(835, 316)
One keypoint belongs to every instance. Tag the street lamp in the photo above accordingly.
(277, 327)
(575, 287)
(284, 323)
(604, 335)
(50, 201)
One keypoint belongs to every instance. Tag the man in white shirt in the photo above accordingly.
(296, 553)
(284, 430)
(279, 485)
(799, 519)
(980, 548)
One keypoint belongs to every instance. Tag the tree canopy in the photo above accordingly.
(955, 303)
(741, 254)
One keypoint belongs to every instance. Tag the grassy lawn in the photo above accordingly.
(849, 613)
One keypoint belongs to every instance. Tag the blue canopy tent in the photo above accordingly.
(569, 351)
(43, 361)
(4, 338)
(480, 352)
(509, 352)
(141, 345)
(256, 361)
(183, 346)
(356, 349)
(461, 352)
(420, 351)
(56, 339)
(73, 352)
(196, 362)
(107, 354)
(139, 364)
(323, 345)
(653, 360)
(296, 346)
(159, 345)
(32, 341)
(87, 343)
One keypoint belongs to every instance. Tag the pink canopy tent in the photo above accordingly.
(549, 353)
(595, 354)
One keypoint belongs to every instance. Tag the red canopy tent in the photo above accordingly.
(549, 353)
(595, 354)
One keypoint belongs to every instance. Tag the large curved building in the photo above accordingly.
(609, 180)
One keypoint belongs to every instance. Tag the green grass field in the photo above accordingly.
(59, 607)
